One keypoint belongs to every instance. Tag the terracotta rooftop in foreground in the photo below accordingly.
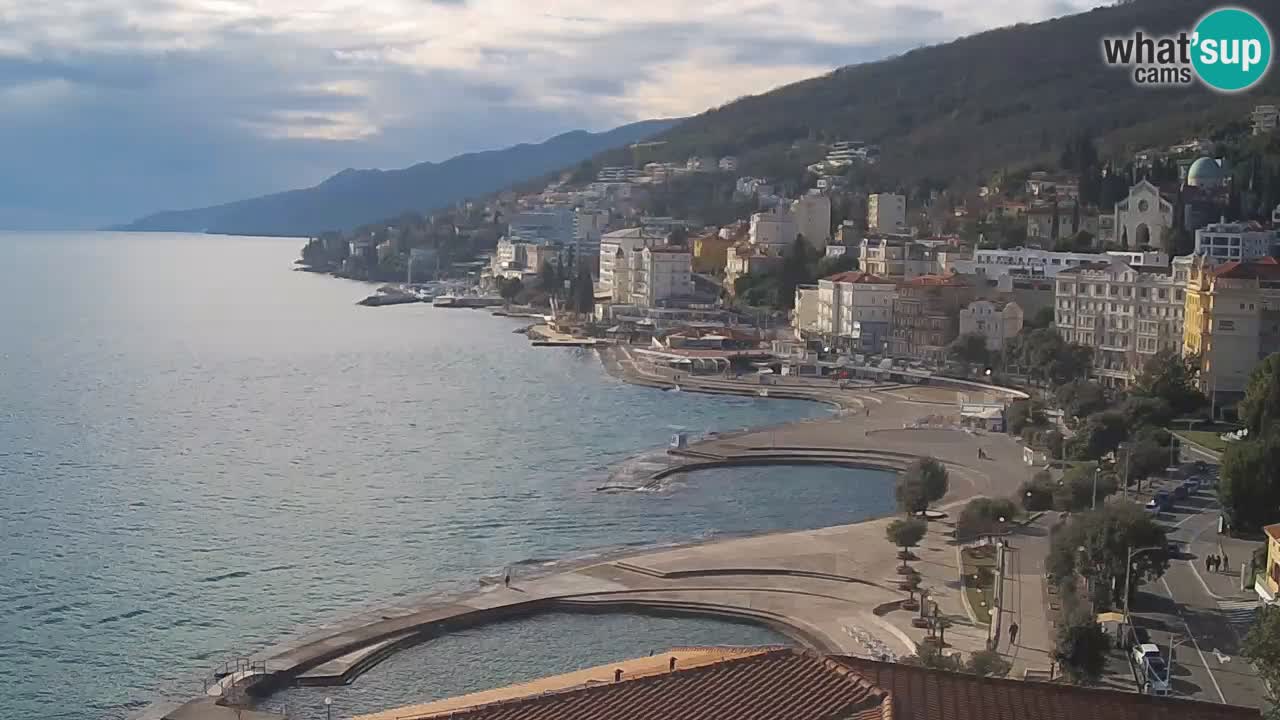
(786, 684)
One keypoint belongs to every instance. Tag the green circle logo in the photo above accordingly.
(1231, 49)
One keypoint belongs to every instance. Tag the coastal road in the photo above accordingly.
(1204, 615)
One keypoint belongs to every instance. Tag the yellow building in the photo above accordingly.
(1231, 321)
(1268, 586)
(710, 252)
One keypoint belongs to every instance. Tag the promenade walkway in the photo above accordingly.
(833, 589)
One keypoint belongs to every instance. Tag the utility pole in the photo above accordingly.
(1096, 471)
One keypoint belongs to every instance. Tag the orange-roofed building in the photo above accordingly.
(855, 311)
(926, 316)
(1267, 585)
(779, 683)
(1232, 321)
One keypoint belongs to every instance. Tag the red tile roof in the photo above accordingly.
(1262, 269)
(853, 276)
(919, 693)
(787, 684)
(1272, 531)
(778, 684)
(948, 280)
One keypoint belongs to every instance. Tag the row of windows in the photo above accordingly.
(1118, 291)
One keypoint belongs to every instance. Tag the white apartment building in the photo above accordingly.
(626, 240)
(774, 230)
(812, 215)
(588, 228)
(1037, 263)
(855, 311)
(650, 275)
(804, 318)
(896, 257)
(886, 213)
(618, 173)
(1266, 118)
(1224, 241)
(1126, 313)
(996, 321)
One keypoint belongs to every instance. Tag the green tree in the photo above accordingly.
(1025, 413)
(1042, 318)
(970, 349)
(1080, 649)
(1249, 490)
(924, 481)
(583, 292)
(549, 277)
(1261, 404)
(985, 516)
(829, 266)
(931, 656)
(1170, 377)
(1080, 398)
(906, 534)
(1107, 535)
(510, 289)
(1262, 646)
(1037, 493)
(1139, 411)
(988, 663)
(1080, 485)
(1101, 433)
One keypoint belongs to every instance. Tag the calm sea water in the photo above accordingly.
(202, 452)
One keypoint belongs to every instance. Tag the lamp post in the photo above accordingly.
(1093, 505)
(1128, 568)
(328, 708)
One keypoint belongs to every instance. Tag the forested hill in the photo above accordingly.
(960, 110)
(356, 197)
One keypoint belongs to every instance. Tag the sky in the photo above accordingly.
(113, 109)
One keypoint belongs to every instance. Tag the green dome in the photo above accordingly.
(1205, 172)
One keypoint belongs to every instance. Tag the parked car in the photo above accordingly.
(1180, 492)
(1193, 484)
(1152, 667)
(1163, 501)
(1152, 507)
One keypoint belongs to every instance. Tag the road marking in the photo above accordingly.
(1194, 644)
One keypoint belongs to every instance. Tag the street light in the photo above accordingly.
(328, 708)
(1128, 568)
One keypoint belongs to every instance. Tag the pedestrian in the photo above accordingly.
(1226, 564)
(1013, 634)
(1213, 563)
(506, 578)
(868, 411)
(1208, 563)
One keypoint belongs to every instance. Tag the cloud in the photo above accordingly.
(178, 103)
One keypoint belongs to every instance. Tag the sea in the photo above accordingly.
(204, 451)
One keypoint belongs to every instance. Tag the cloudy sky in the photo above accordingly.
(110, 109)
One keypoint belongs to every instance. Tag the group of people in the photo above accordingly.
(1215, 563)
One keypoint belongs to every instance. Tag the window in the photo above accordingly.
(1163, 294)
(1229, 325)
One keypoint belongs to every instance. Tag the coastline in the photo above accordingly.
(359, 642)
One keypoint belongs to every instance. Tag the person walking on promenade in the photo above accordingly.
(1226, 564)
(1013, 634)
(506, 578)
(1213, 563)
(1208, 563)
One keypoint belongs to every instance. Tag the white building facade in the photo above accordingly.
(1143, 218)
(886, 213)
(1224, 242)
(1125, 313)
(996, 322)
(812, 217)
(774, 230)
(626, 240)
(855, 311)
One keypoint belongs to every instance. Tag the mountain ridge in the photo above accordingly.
(353, 197)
